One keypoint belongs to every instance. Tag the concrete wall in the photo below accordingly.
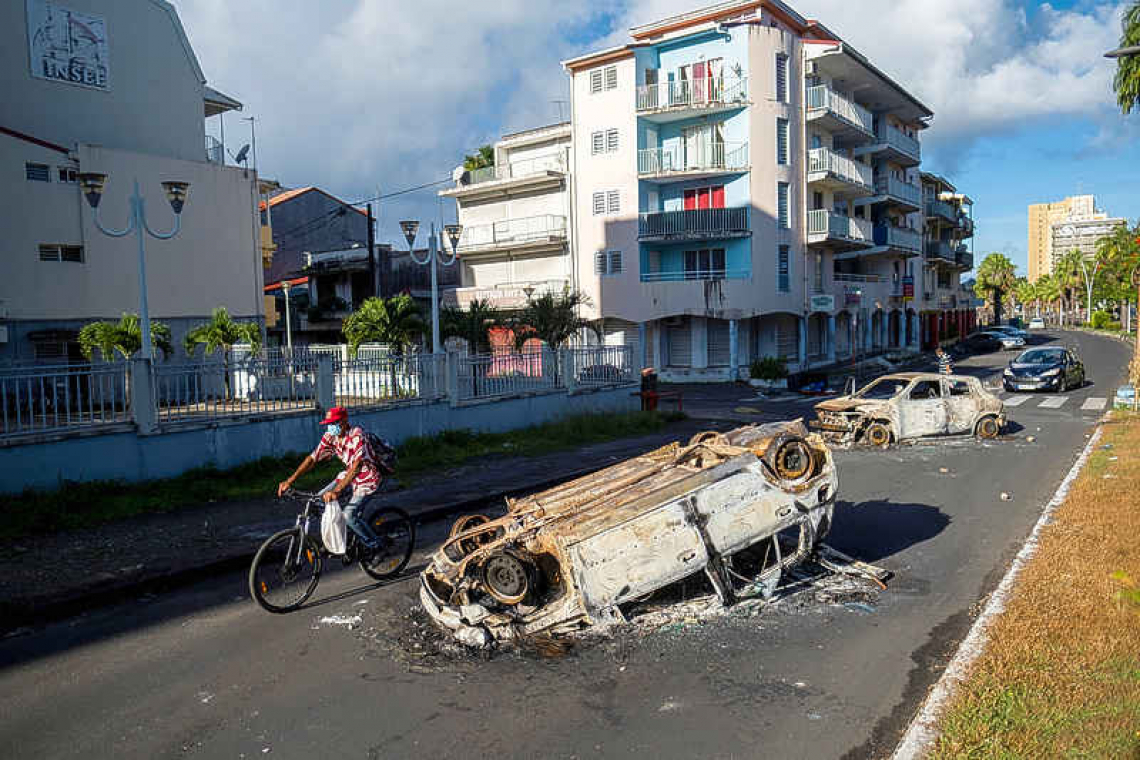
(130, 457)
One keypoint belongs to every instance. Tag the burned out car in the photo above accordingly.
(911, 405)
(566, 558)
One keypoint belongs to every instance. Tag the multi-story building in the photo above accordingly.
(1042, 218)
(113, 87)
(948, 252)
(746, 186)
(517, 221)
(1082, 234)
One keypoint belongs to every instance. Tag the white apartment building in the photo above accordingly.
(747, 185)
(112, 86)
(517, 219)
(1082, 233)
(947, 245)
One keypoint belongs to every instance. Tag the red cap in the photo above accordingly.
(335, 414)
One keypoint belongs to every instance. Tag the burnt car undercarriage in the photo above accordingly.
(742, 507)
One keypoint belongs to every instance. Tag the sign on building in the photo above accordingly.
(823, 303)
(68, 46)
(908, 288)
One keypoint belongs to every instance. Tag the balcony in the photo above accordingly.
(838, 231)
(530, 234)
(889, 189)
(940, 251)
(672, 101)
(827, 170)
(517, 176)
(936, 209)
(893, 144)
(505, 296)
(964, 258)
(898, 239)
(966, 226)
(692, 275)
(838, 114)
(677, 164)
(693, 224)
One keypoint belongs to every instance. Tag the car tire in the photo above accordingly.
(878, 435)
(987, 428)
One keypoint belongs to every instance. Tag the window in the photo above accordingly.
(781, 78)
(782, 141)
(596, 80)
(611, 141)
(705, 264)
(613, 202)
(603, 78)
(783, 273)
(782, 206)
(959, 388)
(68, 253)
(704, 197)
(597, 143)
(607, 263)
(817, 279)
(599, 203)
(37, 172)
(68, 175)
(611, 77)
(926, 389)
(49, 351)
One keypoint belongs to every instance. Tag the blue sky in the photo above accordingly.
(355, 95)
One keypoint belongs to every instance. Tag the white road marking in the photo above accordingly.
(1053, 402)
(1016, 400)
(1094, 404)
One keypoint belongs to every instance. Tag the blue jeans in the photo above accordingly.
(355, 515)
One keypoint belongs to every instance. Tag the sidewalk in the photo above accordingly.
(63, 573)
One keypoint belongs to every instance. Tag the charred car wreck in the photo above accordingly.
(911, 405)
(566, 558)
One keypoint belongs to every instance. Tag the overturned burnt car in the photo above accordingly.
(566, 558)
(911, 405)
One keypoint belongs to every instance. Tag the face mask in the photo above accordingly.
(333, 429)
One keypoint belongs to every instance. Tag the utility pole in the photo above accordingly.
(372, 253)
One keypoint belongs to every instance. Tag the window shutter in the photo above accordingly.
(597, 143)
(782, 141)
(596, 80)
(599, 203)
(73, 253)
(615, 262)
(38, 172)
(783, 275)
(49, 253)
(600, 262)
(782, 205)
(613, 202)
(781, 78)
(611, 141)
(611, 77)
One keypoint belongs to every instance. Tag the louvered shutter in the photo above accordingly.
(599, 203)
(719, 348)
(613, 202)
(781, 78)
(611, 77)
(597, 142)
(596, 80)
(600, 262)
(615, 262)
(611, 141)
(680, 345)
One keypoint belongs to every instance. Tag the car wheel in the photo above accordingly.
(988, 428)
(878, 435)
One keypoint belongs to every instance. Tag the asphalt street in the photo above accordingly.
(203, 671)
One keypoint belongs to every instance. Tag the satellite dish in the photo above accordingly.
(241, 154)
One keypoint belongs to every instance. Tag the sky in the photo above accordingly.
(370, 97)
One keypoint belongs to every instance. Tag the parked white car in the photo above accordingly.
(1008, 342)
(1037, 323)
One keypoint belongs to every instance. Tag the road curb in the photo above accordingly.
(922, 731)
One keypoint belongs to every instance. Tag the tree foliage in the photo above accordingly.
(996, 277)
(480, 159)
(395, 321)
(553, 319)
(222, 332)
(472, 324)
(124, 336)
(1126, 83)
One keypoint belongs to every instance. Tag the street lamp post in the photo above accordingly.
(453, 231)
(92, 184)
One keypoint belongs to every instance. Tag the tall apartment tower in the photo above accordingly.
(1042, 218)
(747, 185)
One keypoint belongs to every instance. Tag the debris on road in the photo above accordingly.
(1005, 496)
(743, 507)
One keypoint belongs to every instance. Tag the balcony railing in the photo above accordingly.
(823, 98)
(512, 295)
(964, 258)
(896, 188)
(525, 230)
(824, 224)
(680, 275)
(555, 162)
(727, 156)
(695, 93)
(940, 249)
(901, 238)
(215, 151)
(825, 160)
(899, 140)
(942, 209)
(693, 224)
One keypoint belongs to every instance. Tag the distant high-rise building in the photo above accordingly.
(1042, 218)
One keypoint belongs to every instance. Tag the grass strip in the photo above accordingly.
(1060, 675)
(88, 504)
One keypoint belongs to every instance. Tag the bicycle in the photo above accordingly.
(287, 567)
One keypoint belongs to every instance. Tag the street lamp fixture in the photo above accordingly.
(410, 227)
(1123, 52)
(92, 185)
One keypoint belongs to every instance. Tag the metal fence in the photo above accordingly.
(368, 381)
(597, 366)
(506, 374)
(214, 390)
(46, 399)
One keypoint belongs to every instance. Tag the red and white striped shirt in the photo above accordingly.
(350, 447)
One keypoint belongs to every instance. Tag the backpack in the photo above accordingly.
(382, 450)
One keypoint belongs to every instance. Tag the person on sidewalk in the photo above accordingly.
(945, 367)
(361, 473)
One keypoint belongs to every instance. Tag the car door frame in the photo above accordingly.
(911, 411)
(965, 411)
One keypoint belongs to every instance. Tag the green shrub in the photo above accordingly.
(1116, 326)
(768, 368)
(1100, 320)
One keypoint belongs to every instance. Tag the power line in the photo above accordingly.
(402, 192)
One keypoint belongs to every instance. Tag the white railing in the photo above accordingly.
(823, 98)
(711, 156)
(896, 188)
(45, 399)
(822, 222)
(596, 366)
(899, 140)
(825, 160)
(213, 390)
(695, 93)
(506, 374)
(859, 278)
(682, 275)
(508, 295)
(527, 229)
(529, 167)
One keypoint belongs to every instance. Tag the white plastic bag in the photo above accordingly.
(332, 528)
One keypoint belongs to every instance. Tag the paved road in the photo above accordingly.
(203, 671)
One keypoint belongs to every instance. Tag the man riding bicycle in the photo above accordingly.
(362, 471)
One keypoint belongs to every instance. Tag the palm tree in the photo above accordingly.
(124, 336)
(996, 276)
(1067, 272)
(1126, 83)
(222, 332)
(481, 159)
(472, 324)
(553, 319)
(394, 321)
(1049, 290)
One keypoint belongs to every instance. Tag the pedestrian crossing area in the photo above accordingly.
(1093, 404)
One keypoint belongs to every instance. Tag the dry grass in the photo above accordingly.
(1060, 676)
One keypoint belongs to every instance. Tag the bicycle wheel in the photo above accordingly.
(397, 536)
(285, 571)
